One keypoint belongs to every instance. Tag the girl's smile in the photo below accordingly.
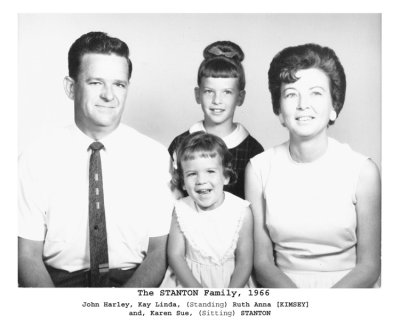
(204, 180)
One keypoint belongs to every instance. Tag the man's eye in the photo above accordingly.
(121, 85)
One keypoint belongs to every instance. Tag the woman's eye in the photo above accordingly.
(290, 95)
(316, 93)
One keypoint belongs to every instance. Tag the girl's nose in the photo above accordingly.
(201, 178)
(217, 98)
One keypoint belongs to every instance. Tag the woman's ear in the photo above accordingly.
(282, 121)
(69, 87)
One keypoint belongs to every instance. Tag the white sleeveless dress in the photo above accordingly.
(211, 239)
(310, 212)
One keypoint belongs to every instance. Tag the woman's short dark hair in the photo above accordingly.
(202, 144)
(285, 64)
(95, 42)
(222, 59)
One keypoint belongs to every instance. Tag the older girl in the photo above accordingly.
(221, 89)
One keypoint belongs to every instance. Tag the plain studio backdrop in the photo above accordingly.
(166, 50)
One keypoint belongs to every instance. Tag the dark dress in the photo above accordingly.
(242, 153)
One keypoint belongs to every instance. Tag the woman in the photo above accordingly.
(316, 202)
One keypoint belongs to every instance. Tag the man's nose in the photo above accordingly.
(107, 93)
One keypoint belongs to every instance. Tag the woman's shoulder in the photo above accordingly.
(269, 154)
(345, 153)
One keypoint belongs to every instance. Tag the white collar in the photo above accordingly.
(111, 140)
(232, 140)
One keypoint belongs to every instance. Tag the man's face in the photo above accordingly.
(99, 93)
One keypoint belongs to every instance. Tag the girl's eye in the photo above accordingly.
(211, 171)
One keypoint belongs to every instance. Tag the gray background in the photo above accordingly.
(166, 50)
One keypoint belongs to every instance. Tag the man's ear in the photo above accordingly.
(69, 87)
(197, 94)
(242, 95)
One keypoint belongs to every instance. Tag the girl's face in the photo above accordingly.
(204, 181)
(219, 98)
(306, 105)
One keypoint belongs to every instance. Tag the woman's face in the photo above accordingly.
(306, 105)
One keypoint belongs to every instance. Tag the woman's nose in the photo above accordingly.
(303, 102)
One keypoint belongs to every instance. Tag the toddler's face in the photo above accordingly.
(219, 98)
(204, 181)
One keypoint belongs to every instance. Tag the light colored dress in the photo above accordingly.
(310, 212)
(210, 238)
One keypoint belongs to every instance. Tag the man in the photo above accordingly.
(116, 235)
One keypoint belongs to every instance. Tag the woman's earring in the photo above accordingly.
(333, 115)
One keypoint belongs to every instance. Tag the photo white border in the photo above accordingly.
(50, 306)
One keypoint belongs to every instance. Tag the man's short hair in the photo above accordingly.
(95, 42)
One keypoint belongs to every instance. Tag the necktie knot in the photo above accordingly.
(96, 146)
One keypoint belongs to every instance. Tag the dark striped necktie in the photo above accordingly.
(97, 221)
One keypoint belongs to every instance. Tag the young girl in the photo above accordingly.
(221, 88)
(210, 242)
